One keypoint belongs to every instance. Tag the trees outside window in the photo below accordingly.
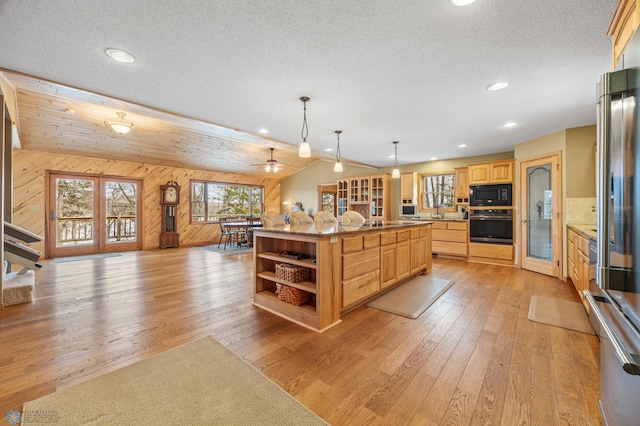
(438, 191)
(213, 200)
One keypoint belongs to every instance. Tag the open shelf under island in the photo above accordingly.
(337, 268)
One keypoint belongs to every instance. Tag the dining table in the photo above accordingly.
(244, 227)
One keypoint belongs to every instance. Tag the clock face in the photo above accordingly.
(171, 195)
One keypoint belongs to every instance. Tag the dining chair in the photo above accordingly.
(227, 233)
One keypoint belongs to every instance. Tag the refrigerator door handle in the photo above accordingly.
(625, 358)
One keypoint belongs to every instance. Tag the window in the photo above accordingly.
(438, 191)
(329, 202)
(213, 200)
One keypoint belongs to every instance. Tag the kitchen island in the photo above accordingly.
(335, 268)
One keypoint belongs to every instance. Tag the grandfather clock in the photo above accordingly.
(169, 200)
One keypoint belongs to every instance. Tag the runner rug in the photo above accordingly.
(200, 383)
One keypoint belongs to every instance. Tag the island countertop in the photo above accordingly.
(338, 228)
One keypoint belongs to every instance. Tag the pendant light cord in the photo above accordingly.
(395, 159)
(305, 128)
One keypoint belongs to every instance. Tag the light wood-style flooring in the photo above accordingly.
(472, 358)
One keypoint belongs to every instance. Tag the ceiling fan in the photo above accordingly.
(272, 165)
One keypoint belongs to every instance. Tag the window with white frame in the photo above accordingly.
(213, 200)
(438, 191)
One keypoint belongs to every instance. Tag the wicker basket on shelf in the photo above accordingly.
(292, 273)
(292, 295)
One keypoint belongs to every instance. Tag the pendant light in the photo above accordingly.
(305, 149)
(396, 173)
(119, 124)
(338, 166)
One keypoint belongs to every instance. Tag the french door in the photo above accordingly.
(541, 223)
(90, 214)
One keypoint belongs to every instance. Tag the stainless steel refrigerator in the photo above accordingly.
(614, 297)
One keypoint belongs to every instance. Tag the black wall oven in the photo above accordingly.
(490, 195)
(491, 226)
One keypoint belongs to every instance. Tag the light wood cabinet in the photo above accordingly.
(388, 255)
(317, 314)
(408, 188)
(379, 196)
(342, 197)
(491, 253)
(450, 237)
(420, 246)
(623, 26)
(359, 189)
(579, 268)
(572, 256)
(462, 185)
(368, 195)
(360, 275)
(486, 173)
(344, 270)
(479, 174)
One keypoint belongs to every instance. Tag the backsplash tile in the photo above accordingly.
(581, 210)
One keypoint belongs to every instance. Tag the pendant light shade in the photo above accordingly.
(396, 172)
(119, 124)
(338, 166)
(305, 149)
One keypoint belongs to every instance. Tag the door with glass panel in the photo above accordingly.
(92, 214)
(541, 230)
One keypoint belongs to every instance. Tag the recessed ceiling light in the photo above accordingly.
(120, 55)
(433, 158)
(462, 145)
(497, 86)
(263, 131)
(328, 150)
(462, 2)
(510, 124)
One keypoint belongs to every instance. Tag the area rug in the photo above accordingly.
(86, 257)
(230, 249)
(412, 298)
(560, 313)
(200, 383)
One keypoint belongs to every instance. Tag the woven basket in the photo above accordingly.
(292, 295)
(292, 273)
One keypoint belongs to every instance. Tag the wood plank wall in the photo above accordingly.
(29, 192)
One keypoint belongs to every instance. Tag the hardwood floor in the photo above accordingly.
(472, 358)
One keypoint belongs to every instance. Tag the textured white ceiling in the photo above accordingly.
(380, 70)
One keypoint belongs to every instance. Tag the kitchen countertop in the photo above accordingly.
(337, 228)
(425, 219)
(585, 229)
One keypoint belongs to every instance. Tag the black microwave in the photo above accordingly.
(490, 195)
